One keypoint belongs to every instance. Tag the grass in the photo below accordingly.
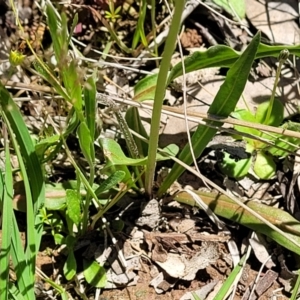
(122, 173)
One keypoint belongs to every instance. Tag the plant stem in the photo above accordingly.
(160, 93)
(282, 58)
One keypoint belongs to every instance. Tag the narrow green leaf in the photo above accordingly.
(86, 142)
(94, 274)
(140, 32)
(227, 285)
(6, 212)
(223, 104)
(54, 29)
(90, 103)
(73, 206)
(110, 182)
(72, 83)
(225, 207)
(74, 23)
(70, 266)
(145, 88)
(115, 155)
(35, 193)
(215, 56)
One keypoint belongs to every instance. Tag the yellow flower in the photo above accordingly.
(16, 58)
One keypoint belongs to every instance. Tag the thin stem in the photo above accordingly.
(283, 56)
(160, 93)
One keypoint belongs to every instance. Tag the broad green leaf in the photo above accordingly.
(70, 266)
(115, 155)
(94, 274)
(58, 238)
(264, 166)
(245, 115)
(233, 7)
(235, 169)
(276, 116)
(223, 104)
(73, 206)
(291, 144)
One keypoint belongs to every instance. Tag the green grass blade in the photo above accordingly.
(7, 212)
(12, 115)
(223, 104)
(140, 32)
(226, 286)
(35, 190)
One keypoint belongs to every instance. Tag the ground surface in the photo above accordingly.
(156, 243)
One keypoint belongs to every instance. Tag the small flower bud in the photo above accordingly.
(283, 55)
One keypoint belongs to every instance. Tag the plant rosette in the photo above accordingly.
(262, 157)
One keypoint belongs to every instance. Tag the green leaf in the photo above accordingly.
(58, 239)
(245, 115)
(86, 143)
(235, 169)
(115, 155)
(264, 166)
(277, 113)
(223, 104)
(110, 182)
(233, 7)
(94, 274)
(140, 32)
(290, 144)
(90, 105)
(145, 88)
(73, 206)
(6, 209)
(70, 266)
(30, 167)
(215, 56)
(72, 83)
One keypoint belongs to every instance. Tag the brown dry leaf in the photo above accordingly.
(259, 246)
(178, 266)
(275, 19)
